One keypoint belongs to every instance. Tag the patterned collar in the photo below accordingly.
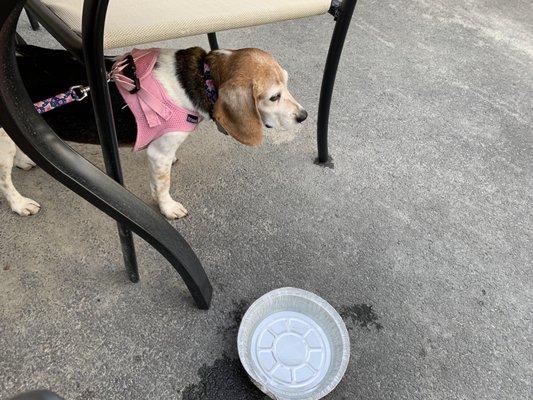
(210, 88)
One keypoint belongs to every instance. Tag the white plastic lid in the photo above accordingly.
(291, 350)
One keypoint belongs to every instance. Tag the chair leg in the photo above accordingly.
(328, 81)
(213, 42)
(128, 252)
(96, 73)
(34, 22)
(35, 138)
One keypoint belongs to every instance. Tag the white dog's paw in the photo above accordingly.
(22, 161)
(173, 210)
(24, 206)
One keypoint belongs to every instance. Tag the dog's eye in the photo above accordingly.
(275, 97)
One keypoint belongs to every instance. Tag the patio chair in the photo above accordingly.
(79, 26)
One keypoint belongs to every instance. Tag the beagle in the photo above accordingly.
(251, 93)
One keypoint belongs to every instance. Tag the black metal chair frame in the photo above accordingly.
(106, 192)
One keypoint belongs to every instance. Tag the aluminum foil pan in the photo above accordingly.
(293, 345)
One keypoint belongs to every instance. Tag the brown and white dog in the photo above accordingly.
(252, 94)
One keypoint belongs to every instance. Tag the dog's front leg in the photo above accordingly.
(161, 155)
(18, 203)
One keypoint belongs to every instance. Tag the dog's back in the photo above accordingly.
(47, 72)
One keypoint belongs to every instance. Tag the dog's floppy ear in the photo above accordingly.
(236, 110)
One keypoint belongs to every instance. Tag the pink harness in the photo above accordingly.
(155, 112)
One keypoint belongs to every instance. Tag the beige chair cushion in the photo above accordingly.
(132, 22)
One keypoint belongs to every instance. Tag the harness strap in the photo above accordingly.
(153, 108)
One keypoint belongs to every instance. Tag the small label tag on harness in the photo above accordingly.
(193, 119)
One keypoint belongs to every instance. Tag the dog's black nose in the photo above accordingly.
(301, 117)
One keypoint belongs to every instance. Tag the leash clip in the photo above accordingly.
(80, 91)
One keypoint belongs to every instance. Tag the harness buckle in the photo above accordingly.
(130, 71)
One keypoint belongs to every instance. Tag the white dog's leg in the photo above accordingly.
(19, 204)
(161, 154)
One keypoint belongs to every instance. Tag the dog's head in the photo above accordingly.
(253, 94)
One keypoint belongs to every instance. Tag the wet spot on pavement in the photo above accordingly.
(360, 314)
(225, 379)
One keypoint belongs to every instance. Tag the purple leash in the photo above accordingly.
(75, 93)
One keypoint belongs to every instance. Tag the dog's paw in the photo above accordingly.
(22, 161)
(173, 210)
(24, 206)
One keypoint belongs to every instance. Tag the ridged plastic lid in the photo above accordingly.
(291, 350)
(293, 345)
